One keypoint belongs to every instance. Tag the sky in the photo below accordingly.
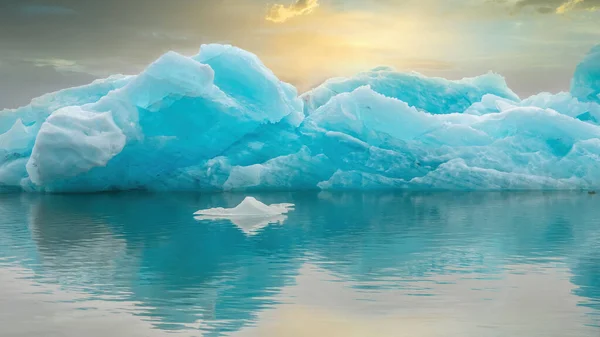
(47, 45)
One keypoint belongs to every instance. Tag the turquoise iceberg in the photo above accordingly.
(221, 120)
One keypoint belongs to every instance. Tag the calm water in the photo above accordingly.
(364, 265)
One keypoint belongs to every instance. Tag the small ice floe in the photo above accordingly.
(250, 215)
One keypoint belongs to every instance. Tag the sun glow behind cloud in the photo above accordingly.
(568, 6)
(281, 13)
(329, 43)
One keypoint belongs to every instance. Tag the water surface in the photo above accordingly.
(341, 264)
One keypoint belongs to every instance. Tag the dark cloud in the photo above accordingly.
(36, 10)
(546, 10)
(538, 3)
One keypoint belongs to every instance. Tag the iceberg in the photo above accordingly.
(433, 95)
(586, 81)
(222, 121)
(249, 207)
(250, 215)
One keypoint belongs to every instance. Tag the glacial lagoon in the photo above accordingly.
(340, 264)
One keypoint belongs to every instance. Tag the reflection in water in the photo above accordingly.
(423, 262)
(249, 225)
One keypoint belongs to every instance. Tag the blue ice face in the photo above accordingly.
(586, 81)
(432, 95)
(221, 120)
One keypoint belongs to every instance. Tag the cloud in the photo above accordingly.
(38, 10)
(572, 5)
(558, 6)
(568, 6)
(58, 64)
(281, 13)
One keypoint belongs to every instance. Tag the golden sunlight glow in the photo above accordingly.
(298, 321)
(330, 43)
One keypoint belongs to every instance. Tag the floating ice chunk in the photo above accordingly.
(250, 207)
(250, 215)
